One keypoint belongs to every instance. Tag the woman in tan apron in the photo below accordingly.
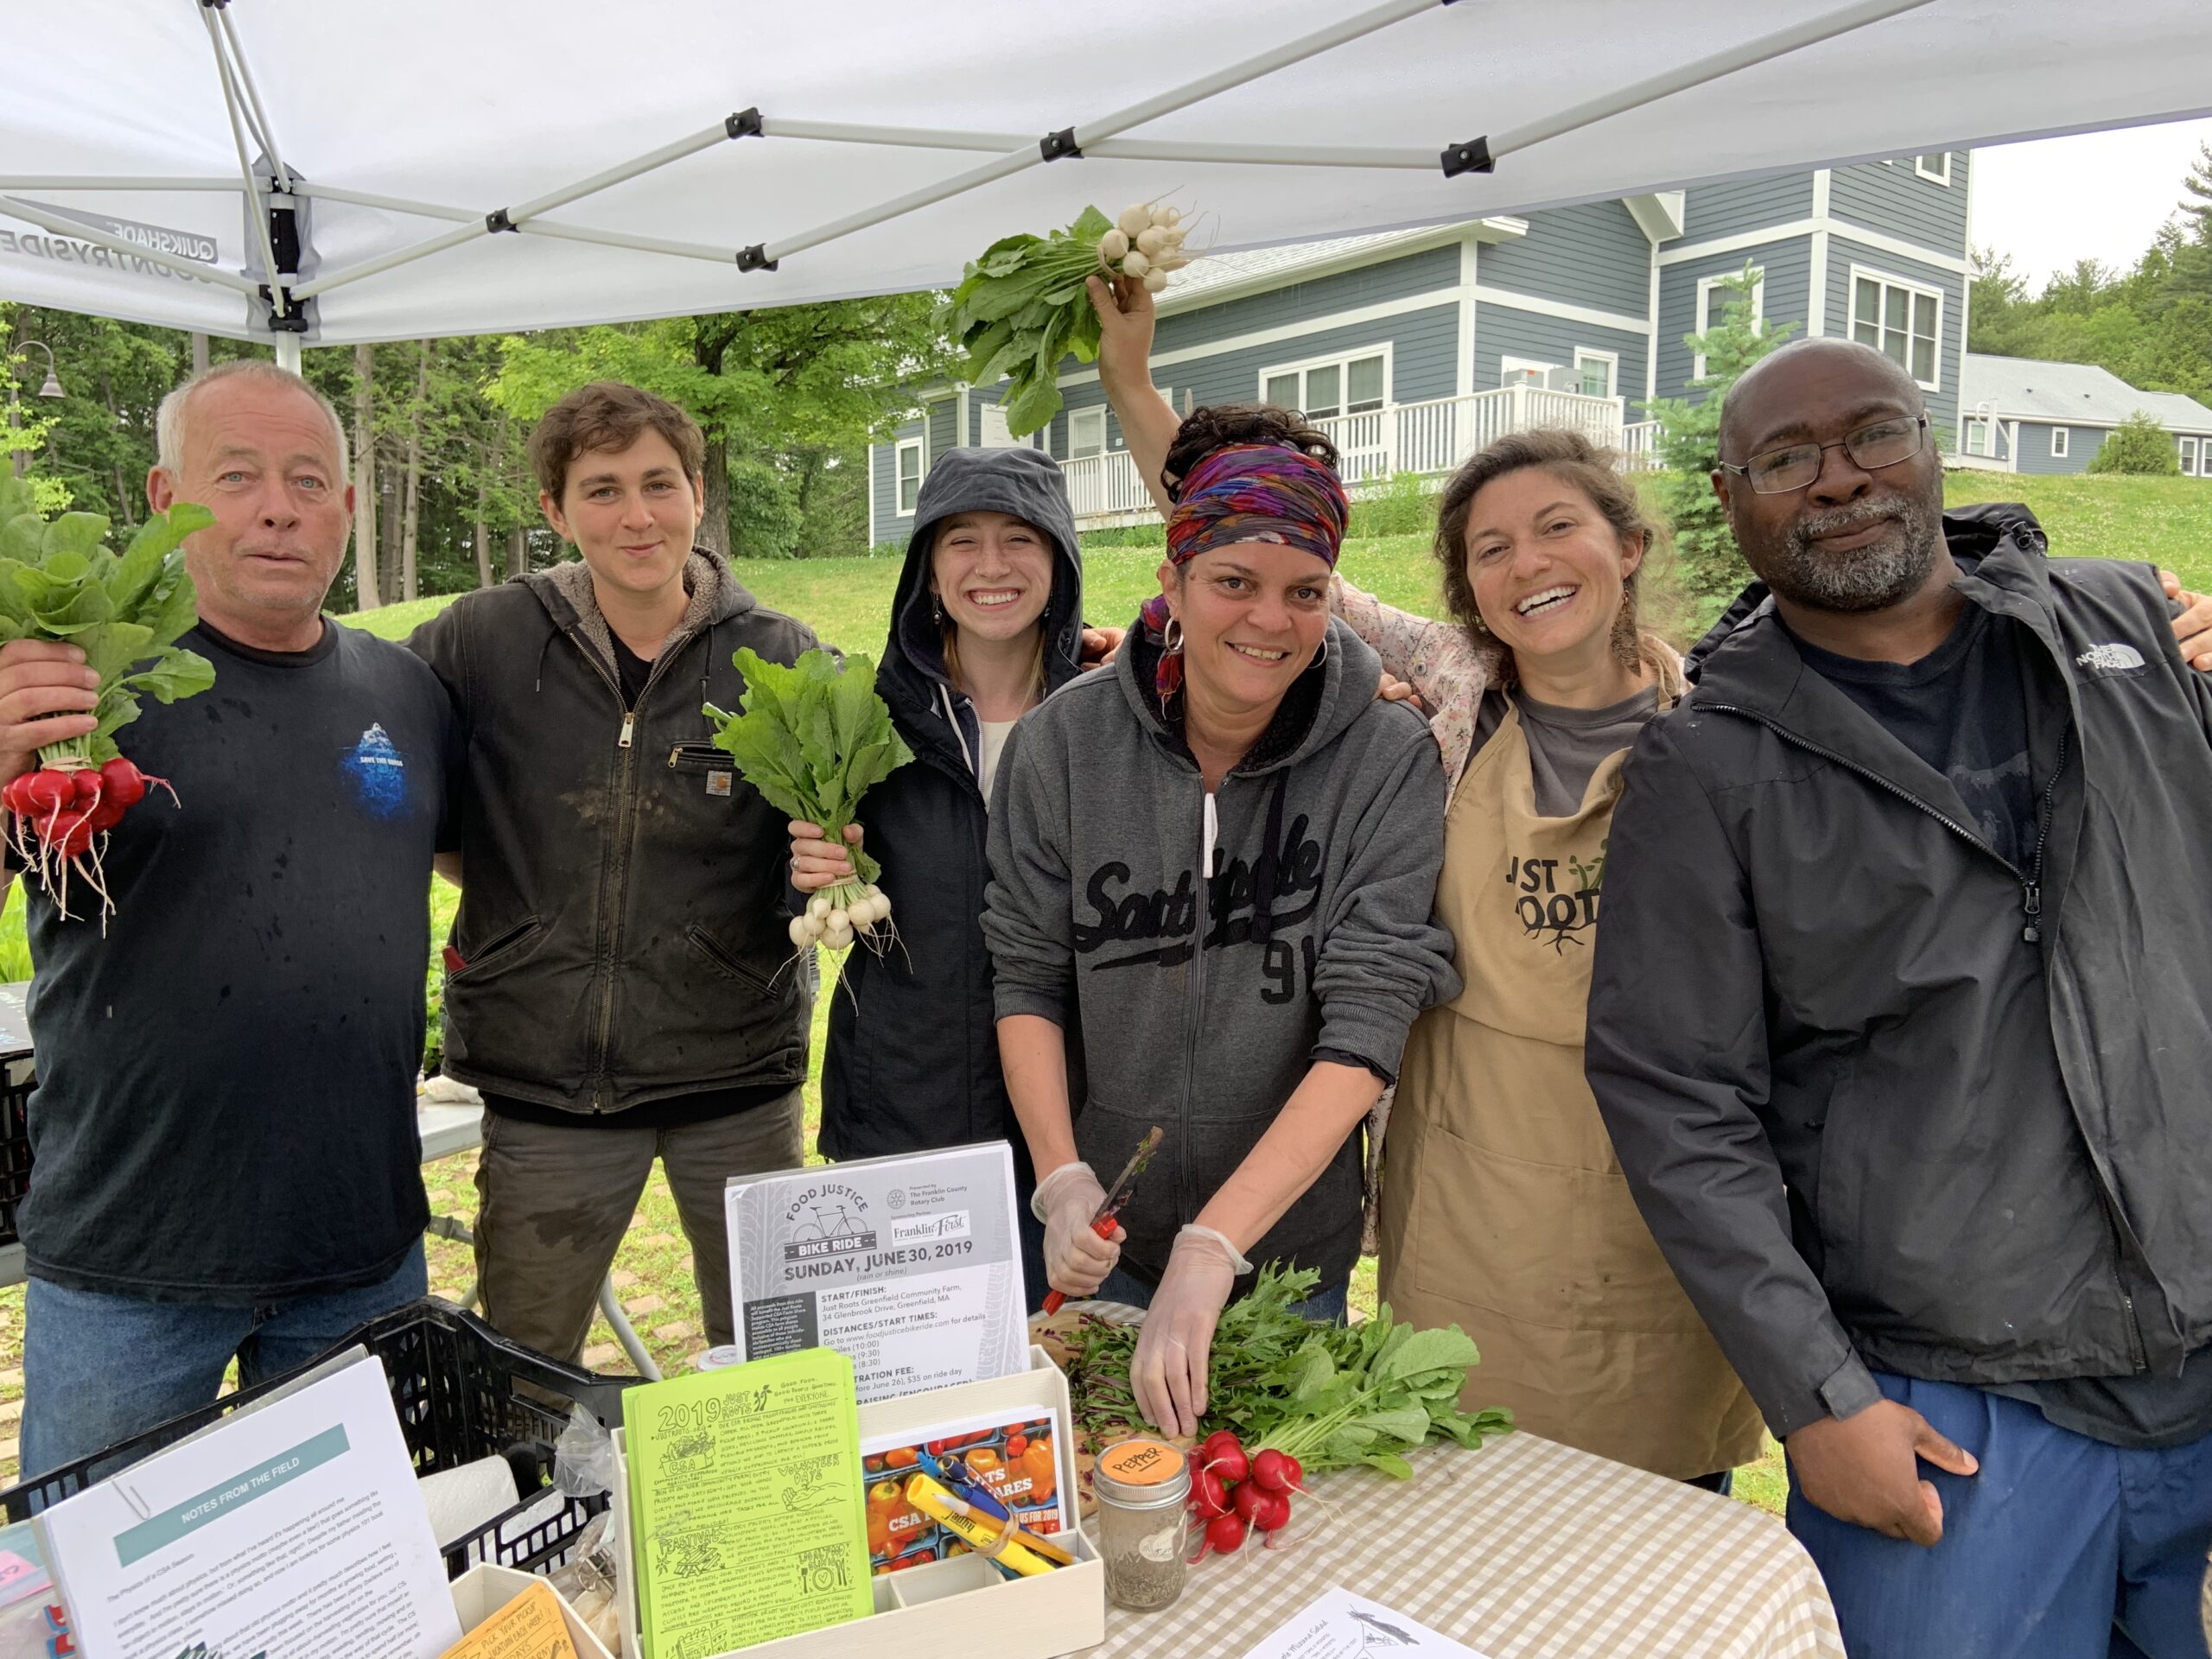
(1502, 1209)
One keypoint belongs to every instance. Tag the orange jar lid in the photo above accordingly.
(1141, 1471)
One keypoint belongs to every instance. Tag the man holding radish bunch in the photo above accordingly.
(225, 1121)
(616, 981)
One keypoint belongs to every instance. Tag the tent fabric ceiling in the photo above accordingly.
(475, 107)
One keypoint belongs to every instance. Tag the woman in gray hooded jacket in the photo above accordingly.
(1216, 863)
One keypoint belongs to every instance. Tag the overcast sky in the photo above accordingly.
(2102, 195)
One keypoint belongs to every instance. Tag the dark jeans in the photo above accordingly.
(1327, 1304)
(99, 1367)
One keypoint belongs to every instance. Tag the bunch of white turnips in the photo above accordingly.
(1145, 244)
(837, 916)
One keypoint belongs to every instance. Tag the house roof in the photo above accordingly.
(1217, 277)
(2069, 394)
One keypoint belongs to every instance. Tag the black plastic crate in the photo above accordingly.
(462, 1392)
(14, 1150)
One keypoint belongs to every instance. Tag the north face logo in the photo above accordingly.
(2109, 660)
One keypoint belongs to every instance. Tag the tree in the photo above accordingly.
(367, 594)
(2138, 445)
(1688, 442)
(776, 392)
(2198, 184)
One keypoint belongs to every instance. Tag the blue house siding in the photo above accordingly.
(1843, 254)
(1503, 331)
(2082, 442)
(1712, 211)
(1312, 302)
(887, 522)
(1424, 348)
(1788, 267)
(943, 423)
(1595, 255)
(1890, 197)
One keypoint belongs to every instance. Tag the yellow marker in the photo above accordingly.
(988, 1540)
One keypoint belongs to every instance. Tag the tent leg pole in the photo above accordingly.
(288, 352)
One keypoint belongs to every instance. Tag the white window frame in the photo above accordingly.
(1939, 174)
(1509, 367)
(2188, 449)
(1988, 425)
(1889, 279)
(901, 504)
(1096, 412)
(1612, 362)
(1341, 362)
(2062, 443)
(1706, 285)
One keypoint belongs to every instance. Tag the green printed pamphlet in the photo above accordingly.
(745, 1504)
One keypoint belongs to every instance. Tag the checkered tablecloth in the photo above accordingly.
(1523, 1550)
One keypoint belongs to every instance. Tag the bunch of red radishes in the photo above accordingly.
(65, 809)
(1234, 1496)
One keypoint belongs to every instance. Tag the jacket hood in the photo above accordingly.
(1025, 483)
(712, 595)
(1972, 532)
(1320, 705)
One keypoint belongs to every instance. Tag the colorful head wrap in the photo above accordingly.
(1249, 492)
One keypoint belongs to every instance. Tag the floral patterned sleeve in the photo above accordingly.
(1447, 670)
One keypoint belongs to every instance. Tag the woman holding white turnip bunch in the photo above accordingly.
(986, 621)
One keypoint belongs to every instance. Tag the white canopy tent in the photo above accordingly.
(661, 157)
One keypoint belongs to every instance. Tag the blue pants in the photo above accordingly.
(99, 1368)
(2061, 1548)
(1327, 1303)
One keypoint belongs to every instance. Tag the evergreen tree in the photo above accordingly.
(2138, 445)
(1689, 442)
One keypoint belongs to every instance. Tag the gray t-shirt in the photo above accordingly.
(1567, 746)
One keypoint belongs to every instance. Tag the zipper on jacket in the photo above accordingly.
(1195, 1017)
(2030, 879)
(619, 884)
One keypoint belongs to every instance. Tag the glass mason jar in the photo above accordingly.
(1142, 1486)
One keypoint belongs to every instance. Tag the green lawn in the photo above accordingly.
(847, 602)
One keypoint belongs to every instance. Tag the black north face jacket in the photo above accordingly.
(1884, 1098)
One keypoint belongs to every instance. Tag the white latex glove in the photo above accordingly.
(1168, 1375)
(1077, 1261)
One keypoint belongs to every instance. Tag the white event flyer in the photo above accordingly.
(1341, 1625)
(292, 1532)
(910, 1267)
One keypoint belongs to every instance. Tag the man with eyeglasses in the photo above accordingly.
(1924, 1126)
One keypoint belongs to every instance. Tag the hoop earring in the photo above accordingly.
(1170, 636)
(1322, 655)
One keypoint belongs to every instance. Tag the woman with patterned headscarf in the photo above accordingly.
(1211, 875)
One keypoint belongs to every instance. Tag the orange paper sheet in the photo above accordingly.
(528, 1627)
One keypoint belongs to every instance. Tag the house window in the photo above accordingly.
(1978, 438)
(1086, 433)
(2061, 439)
(1597, 373)
(1901, 319)
(909, 474)
(2189, 456)
(1936, 169)
(1712, 312)
(1347, 385)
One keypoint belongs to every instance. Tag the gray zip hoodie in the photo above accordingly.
(1310, 891)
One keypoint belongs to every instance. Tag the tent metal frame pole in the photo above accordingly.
(1726, 61)
(1151, 109)
(1128, 149)
(511, 218)
(256, 118)
(314, 192)
(257, 206)
(66, 181)
(623, 240)
(30, 213)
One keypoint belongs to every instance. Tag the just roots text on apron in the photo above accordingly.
(1504, 1211)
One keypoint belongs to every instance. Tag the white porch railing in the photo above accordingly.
(1428, 438)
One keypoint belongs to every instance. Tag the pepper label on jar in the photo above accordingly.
(1162, 1546)
(1140, 1463)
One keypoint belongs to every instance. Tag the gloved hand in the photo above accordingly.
(1168, 1375)
(1077, 1261)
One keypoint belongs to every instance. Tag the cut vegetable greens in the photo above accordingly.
(813, 738)
(125, 611)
